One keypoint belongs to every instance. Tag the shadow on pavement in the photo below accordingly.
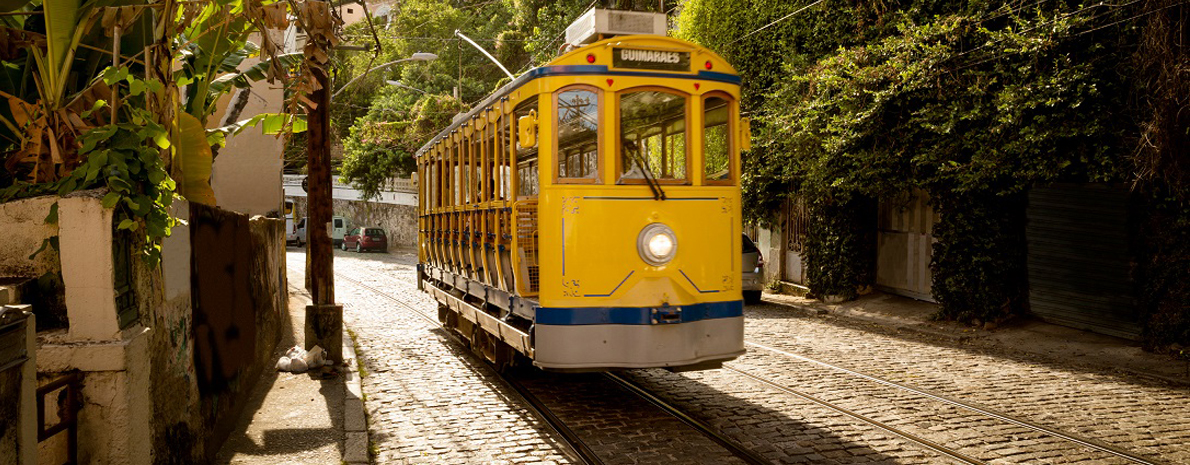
(294, 416)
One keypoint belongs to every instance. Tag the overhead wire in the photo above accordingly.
(766, 26)
(1155, 10)
(1113, 7)
(1056, 19)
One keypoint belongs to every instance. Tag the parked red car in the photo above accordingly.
(365, 239)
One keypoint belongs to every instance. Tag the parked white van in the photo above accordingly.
(297, 233)
(292, 224)
(339, 227)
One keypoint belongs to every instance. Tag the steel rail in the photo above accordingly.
(936, 447)
(1086, 442)
(576, 446)
(580, 447)
(737, 450)
(584, 453)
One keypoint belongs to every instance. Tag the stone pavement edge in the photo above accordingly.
(1025, 336)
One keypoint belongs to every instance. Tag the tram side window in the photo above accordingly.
(440, 185)
(652, 135)
(578, 134)
(491, 181)
(717, 141)
(503, 154)
(501, 150)
(465, 170)
(456, 175)
(526, 158)
(435, 180)
(476, 159)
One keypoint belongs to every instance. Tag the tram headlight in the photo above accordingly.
(657, 244)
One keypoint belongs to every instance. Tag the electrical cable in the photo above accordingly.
(766, 26)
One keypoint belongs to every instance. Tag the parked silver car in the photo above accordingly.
(753, 272)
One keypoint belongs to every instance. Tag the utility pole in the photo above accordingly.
(324, 319)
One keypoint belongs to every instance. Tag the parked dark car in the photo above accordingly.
(365, 239)
(753, 272)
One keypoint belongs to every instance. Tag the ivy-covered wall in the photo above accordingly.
(975, 102)
(840, 248)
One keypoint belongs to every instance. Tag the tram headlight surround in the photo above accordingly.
(657, 244)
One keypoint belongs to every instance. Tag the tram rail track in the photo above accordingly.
(750, 457)
(732, 446)
(969, 406)
(928, 444)
(577, 449)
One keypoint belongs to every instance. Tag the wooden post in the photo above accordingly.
(322, 275)
(324, 319)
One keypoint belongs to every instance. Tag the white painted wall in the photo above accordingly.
(293, 188)
(85, 238)
(246, 175)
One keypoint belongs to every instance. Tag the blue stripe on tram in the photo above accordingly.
(635, 315)
(579, 70)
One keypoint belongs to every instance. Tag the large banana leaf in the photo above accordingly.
(193, 159)
(134, 37)
(257, 72)
(62, 31)
(215, 34)
(61, 18)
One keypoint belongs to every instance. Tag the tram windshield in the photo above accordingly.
(654, 122)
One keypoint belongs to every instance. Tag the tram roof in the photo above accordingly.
(563, 66)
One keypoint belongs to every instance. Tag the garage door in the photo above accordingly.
(1078, 258)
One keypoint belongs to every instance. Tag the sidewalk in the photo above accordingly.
(307, 418)
(1026, 337)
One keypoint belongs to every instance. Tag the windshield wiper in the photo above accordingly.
(654, 186)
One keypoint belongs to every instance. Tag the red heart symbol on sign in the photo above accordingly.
(696, 86)
(609, 82)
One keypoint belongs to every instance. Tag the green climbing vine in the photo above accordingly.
(125, 158)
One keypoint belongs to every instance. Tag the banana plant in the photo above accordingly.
(43, 111)
(49, 86)
(215, 44)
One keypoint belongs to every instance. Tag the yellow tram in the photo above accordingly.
(587, 215)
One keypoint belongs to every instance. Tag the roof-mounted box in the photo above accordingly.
(598, 22)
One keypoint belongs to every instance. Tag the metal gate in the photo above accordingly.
(1078, 258)
(796, 223)
(904, 245)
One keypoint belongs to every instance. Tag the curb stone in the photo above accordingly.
(979, 338)
(924, 329)
(355, 425)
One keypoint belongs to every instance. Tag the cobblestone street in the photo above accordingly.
(429, 400)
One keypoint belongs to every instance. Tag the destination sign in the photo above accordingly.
(665, 60)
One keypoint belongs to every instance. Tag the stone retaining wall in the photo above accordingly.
(398, 221)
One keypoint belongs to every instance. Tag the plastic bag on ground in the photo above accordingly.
(297, 365)
(295, 352)
(316, 357)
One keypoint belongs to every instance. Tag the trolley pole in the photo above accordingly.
(324, 319)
